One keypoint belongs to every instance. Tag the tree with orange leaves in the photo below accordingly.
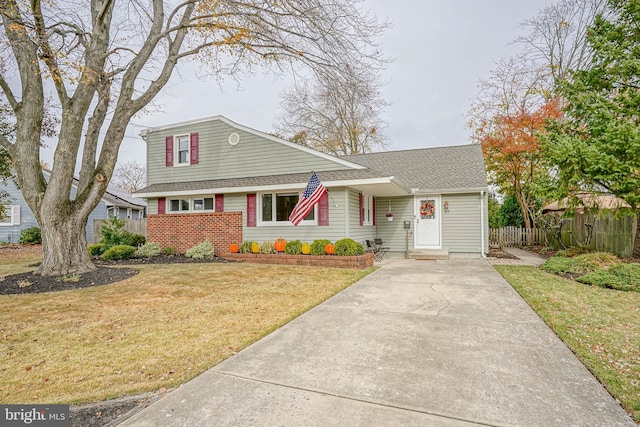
(513, 157)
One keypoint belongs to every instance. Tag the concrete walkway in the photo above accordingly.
(416, 343)
(526, 257)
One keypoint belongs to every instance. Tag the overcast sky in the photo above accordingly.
(441, 50)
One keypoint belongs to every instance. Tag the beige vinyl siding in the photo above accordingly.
(152, 206)
(252, 156)
(461, 227)
(392, 232)
(356, 231)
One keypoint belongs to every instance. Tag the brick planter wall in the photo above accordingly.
(183, 231)
(356, 262)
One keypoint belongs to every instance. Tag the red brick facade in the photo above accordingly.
(183, 231)
(357, 262)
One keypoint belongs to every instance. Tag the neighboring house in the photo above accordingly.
(218, 180)
(115, 202)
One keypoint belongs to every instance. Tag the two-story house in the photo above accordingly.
(216, 179)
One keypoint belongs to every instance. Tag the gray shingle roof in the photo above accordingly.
(455, 167)
(444, 168)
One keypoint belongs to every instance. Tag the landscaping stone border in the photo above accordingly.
(355, 262)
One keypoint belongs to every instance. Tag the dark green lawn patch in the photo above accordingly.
(601, 326)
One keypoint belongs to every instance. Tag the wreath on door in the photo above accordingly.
(427, 209)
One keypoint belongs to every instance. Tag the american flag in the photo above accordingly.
(310, 197)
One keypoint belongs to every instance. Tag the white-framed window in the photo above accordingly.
(182, 150)
(192, 204)
(275, 208)
(367, 209)
(11, 215)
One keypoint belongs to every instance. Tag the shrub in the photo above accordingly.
(118, 252)
(267, 248)
(149, 249)
(348, 247)
(201, 250)
(293, 247)
(31, 236)
(558, 265)
(112, 232)
(133, 239)
(169, 250)
(245, 248)
(621, 277)
(572, 251)
(580, 264)
(96, 249)
(317, 247)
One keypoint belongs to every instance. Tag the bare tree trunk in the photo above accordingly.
(64, 245)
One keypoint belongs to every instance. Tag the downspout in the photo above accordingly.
(482, 253)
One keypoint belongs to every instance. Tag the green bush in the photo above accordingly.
(293, 247)
(572, 251)
(149, 249)
(133, 239)
(558, 265)
(348, 247)
(580, 264)
(317, 247)
(267, 248)
(118, 252)
(621, 277)
(245, 248)
(201, 250)
(96, 249)
(169, 250)
(31, 236)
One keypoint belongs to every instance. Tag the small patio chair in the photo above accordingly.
(372, 248)
(382, 250)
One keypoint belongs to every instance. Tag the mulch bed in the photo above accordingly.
(27, 283)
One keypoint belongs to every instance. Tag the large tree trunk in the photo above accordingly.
(636, 240)
(64, 245)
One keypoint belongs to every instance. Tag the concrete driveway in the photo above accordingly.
(424, 343)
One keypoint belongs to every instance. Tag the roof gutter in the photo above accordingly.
(274, 187)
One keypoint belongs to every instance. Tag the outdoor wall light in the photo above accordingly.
(446, 206)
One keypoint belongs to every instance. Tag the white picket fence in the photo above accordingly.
(516, 236)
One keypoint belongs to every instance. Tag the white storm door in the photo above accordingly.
(427, 226)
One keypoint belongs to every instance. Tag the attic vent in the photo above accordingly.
(234, 138)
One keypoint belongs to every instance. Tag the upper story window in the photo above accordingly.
(182, 150)
(275, 208)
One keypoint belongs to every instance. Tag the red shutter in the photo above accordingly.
(219, 202)
(251, 210)
(323, 210)
(194, 149)
(162, 205)
(373, 211)
(360, 209)
(169, 151)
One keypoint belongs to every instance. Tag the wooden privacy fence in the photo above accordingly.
(516, 236)
(138, 226)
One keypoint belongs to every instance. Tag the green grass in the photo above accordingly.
(601, 326)
(158, 329)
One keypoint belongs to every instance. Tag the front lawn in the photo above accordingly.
(158, 329)
(601, 326)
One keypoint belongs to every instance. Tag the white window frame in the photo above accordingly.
(367, 208)
(176, 150)
(274, 222)
(13, 214)
(191, 201)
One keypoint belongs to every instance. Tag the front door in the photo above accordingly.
(427, 223)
